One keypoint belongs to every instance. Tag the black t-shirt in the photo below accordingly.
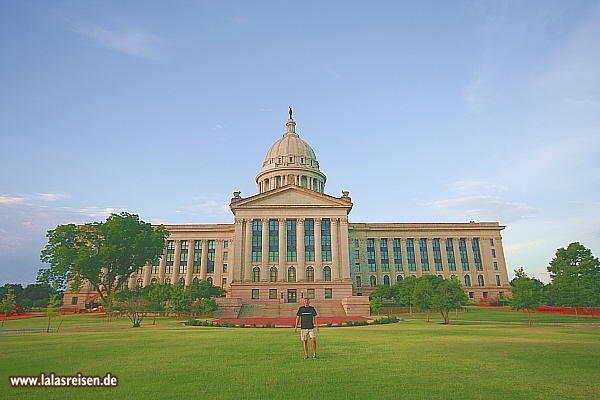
(307, 314)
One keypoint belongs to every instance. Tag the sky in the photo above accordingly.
(425, 111)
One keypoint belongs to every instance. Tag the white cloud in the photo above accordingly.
(209, 207)
(485, 208)
(8, 199)
(131, 41)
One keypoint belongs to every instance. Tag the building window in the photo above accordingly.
(357, 267)
(494, 253)
(210, 281)
(399, 278)
(196, 280)
(255, 294)
(210, 265)
(327, 274)
(74, 300)
(139, 270)
(183, 256)
(450, 255)
(167, 281)
(371, 255)
(476, 254)
(223, 283)
(397, 255)
(309, 240)
(480, 281)
(170, 253)
(273, 274)
(328, 293)
(356, 243)
(356, 254)
(437, 254)
(491, 241)
(154, 269)
(256, 274)
(424, 255)
(226, 244)
(497, 280)
(256, 240)
(386, 280)
(153, 281)
(169, 269)
(358, 281)
(326, 239)
(471, 295)
(373, 280)
(467, 280)
(410, 254)
(197, 256)
(291, 240)
(225, 255)
(464, 259)
(495, 265)
(273, 240)
(310, 293)
(291, 274)
(310, 274)
(485, 295)
(383, 251)
(181, 281)
(272, 294)
(183, 269)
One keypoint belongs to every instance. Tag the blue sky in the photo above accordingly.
(426, 111)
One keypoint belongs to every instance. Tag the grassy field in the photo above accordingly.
(559, 357)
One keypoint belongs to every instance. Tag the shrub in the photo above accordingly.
(339, 324)
(242, 325)
(254, 325)
(349, 323)
(269, 325)
(329, 324)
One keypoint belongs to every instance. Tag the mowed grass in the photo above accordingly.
(411, 359)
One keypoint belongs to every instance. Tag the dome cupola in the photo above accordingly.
(290, 161)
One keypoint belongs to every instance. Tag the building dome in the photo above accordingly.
(291, 161)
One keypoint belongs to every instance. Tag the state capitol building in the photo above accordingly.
(291, 240)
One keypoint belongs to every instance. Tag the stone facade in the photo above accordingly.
(291, 240)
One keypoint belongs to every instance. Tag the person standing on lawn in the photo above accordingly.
(307, 316)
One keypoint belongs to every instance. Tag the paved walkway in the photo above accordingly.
(288, 322)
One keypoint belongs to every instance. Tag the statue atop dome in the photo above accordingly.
(290, 112)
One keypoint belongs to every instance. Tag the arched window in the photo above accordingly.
(441, 277)
(139, 282)
(273, 274)
(386, 280)
(467, 280)
(256, 274)
(181, 281)
(196, 280)
(291, 274)
(209, 280)
(399, 278)
(373, 280)
(167, 281)
(153, 281)
(327, 274)
(480, 281)
(310, 274)
(358, 281)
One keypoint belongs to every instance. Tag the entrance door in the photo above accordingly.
(292, 295)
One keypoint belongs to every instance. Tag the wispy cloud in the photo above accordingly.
(527, 245)
(207, 208)
(131, 41)
(33, 197)
(482, 208)
(476, 186)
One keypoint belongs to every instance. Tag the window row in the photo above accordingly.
(358, 280)
(309, 274)
(292, 294)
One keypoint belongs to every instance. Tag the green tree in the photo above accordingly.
(54, 304)
(203, 290)
(575, 274)
(424, 290)
(157, 296)
(36, 295)
(205, 305)
(449, 295)
(405, 291)
(180, 300)
(526, 293)
(376, 304)
(133, 304)
(8, 304)
(103, 253)
(382, 291)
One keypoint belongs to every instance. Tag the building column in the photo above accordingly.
(237, 262)
(218, 262)
(282, 249)
(444, 252)
(429, 248)
(246, 271)
(175, 274)
(299, 246)
(204, 260)
(265, 248)
(335, 245)
(162, 266)
(344, 250)
(146, 272)
(318, 253)
(391, 260)
(190, 263)
(472, 270)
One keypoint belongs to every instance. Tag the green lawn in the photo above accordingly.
(411, 359)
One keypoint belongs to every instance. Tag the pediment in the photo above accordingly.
(291, 196)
